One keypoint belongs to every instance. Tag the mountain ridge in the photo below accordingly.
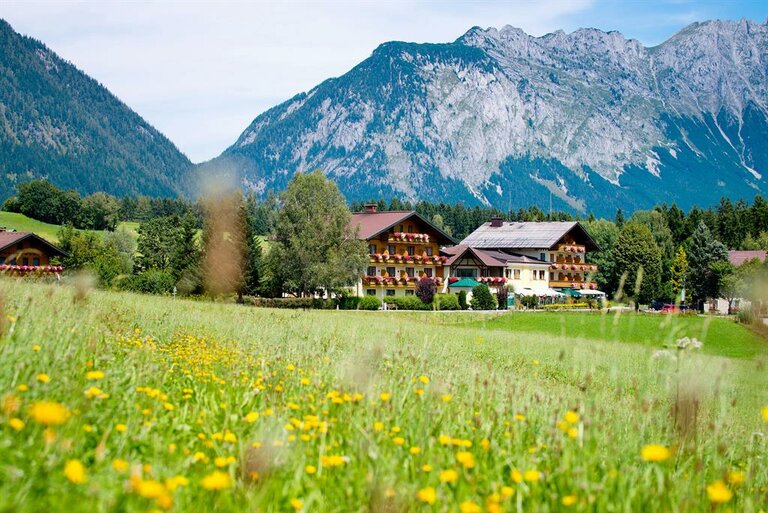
(57, 122)
(499, 117)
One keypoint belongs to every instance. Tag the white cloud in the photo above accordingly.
(201, 71)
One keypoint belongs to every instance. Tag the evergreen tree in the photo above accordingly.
(637, 259)
(185, 252)
(482, 299)
(678, 272)
(619, 220)
(704, 250)
(252, 263)
(605, 234)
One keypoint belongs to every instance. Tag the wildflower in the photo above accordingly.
(469, 507)
(765, 414)
(426, 467)
(121, 428)
(251, 417)
(485, 443)
(384, 396)
(149, 489)
(119, 465)
(310, 469)
(174, 482)
(168, 407)
(36, 347)
(399, 440)
(507, 491)
(93, 392)
(571, 417)
(532, 476)
(447, 398)
(736, 477)
(230, 437)
(43, 378)
(297, 504)
(466, 459)
(221, 461)
(378, 426)
(415, 450)
(94, 375)
(22, 388)
(216, 480)
(332, 461)
(516, 476)
(655, 453)
(449, 476)
(75, 472)
(568, 500)
(520, 417)
(427, 495)
(719, 493)
(49, 413)
(16, 424)
(424, 379)
(573, 432)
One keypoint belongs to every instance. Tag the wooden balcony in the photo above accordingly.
(573, 284)
(383, 258)
(379, 281)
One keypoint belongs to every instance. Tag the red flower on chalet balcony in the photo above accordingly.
(453, 279)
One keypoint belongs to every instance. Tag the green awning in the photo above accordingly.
(571, 292)
(468, 283)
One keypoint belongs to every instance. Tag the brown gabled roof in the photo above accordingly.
(372, 224)
(739, 257)
(8, 239)
(489, 258)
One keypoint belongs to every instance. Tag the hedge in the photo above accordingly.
(447, 301)
(407, 303)
(369, 303)
(564, 306)
(294, 302)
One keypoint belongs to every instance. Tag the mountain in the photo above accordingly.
(591, 120)
(57, 122)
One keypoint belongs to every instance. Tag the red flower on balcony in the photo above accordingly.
(453, 279)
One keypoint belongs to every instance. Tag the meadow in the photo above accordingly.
(118, 402)
(22, 223)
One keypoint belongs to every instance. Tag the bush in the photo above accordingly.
(463, 300)
(348, 302)
(746, 315)
(369, 303)
(565, 306)
(151, 281)
(529, 301)
(294, 302)
(482, 299)
(501, 296)
(407, 303)
(426, 289)
(447, 301)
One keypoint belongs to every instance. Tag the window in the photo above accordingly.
(465, 273)
(400, 228)
(507, 273)
(372, 249)
(25, 261)
(409, 271)
(371, 271)
(551, 257)
(411, 250)
(371, 292)
(390, 271)
(429, 251)
(2, 259)
(410, 228)
(533, 275)
(391, 249)
(409, 292)
(428, 271)
(35, 260)
(13, 261)
(552, 276)
(390, 292)
(543, 256)
(517, 274)
(542, 275)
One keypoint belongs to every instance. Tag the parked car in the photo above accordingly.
(671, 307)
(657, 305)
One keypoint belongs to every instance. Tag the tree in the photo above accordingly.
(726, 280)
(157, 243)
(704, 250)
(605, 234)
(315, 246)
(100, 211)
(252, 251)
(463, 300)
(637, 259)
(426, 290)
(678, 272)
(619, 220)
(482, 299)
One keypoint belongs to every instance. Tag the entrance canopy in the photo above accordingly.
(464, 283)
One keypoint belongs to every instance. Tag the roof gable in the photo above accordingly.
(8, 239)
(372, 224)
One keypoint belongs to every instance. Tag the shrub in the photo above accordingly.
(151, 281)
(529, 301)
(501, 296)
(447, 301)
(426, 289)
(482, 299)
(369, 303)
(746, 315)
(348, 302)
(294, 302)
(407, 303)
(463, 300)
(565, 306)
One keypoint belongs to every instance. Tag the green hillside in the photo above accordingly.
(58, 123)
(22, 223)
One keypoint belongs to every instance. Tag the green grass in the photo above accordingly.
(721, 336)
(315, 378)
(22, 223)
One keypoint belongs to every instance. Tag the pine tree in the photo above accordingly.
(619, 220)
(703, 252)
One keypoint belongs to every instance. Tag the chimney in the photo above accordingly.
(496, 222)
(370, 208)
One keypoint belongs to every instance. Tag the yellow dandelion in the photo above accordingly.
(568, 500)
(655, 453)
(398, 440)
(75, 472)
(297, 504)
(516, 476)
(507, 491)
(172, 483)
(36, 347)
(310, 469)
(49, 413)
(449, 476)
(532, 476)
(446, 398)
(719, 493)
(384, 396)
(765, 414)
(94, 375)
(16, 424)
(43, 378)
(427, 495)
(467, 459)
(469, 507)
(251, 417)
(415, 450)
(426, 467)
(571, 417)
(119, 465)
(216, 480)
(736, 477)
(424, 379)
(149, 489)
(121, 428)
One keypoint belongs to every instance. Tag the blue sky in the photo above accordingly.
(201, 71)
